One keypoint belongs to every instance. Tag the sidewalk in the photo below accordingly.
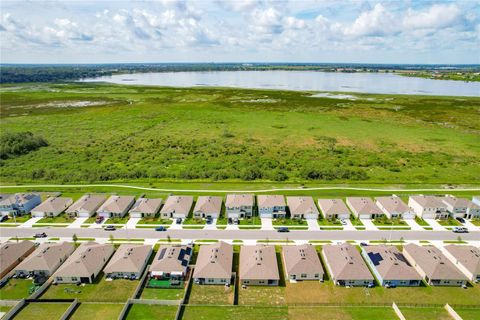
(414, 225)
(77, 223)
(267, 224)
(29, 223)
(232, 227)
(435, 225)
(369, 224)
(313, 225)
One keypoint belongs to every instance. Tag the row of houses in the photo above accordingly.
(242, 205)
(258, 265)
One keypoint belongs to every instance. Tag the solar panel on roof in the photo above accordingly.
(162, 254)
(184, 263)
(188, 250)
(375, 257)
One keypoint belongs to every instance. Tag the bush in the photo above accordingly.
(16, 144)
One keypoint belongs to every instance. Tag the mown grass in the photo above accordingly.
(16, 289)
(102, 311)
(425, 313)
(146, 312)
(157, 134)
(42, 311)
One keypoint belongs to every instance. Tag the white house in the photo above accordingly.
(271, 206)
(239, 205)
(461, 208)
(394, 207)
(51, 207)
(428, 207)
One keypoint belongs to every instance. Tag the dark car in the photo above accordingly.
(283, 229)
(461, 220)
(230, 221)
(179, 221)
(3, 218)
(161, 228)
(110, 228)
(209, 220)
(40, 235)
(363, 244)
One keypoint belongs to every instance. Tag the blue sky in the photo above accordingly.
(75, 31)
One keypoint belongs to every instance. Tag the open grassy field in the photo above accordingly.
(145, 312)
(103, 132)
(104, 311)
(42, 311)
(344, 313)
(16, 289)
(235, 312)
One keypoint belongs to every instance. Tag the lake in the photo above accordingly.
(301, 81)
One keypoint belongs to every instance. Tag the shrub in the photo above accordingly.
(19, 143)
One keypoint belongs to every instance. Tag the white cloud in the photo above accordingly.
(435, 17)
(376, 22)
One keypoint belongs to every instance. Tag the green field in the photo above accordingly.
(97, 311)
(162, 294)
(42, 311)
(467, 313)
(146, 312)
(153, 134)
(425, 313)
(16, 289)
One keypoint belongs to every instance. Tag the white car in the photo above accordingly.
(460, 230)
(343, 222)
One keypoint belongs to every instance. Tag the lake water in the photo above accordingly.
(301, 81)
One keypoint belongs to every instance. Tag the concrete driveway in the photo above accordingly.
(368, 223)
(414, 225)
(77, 223)
(267, 224)
(313, 225)
(434, 224)
(30, 222)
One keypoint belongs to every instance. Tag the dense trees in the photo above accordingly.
(15, 144)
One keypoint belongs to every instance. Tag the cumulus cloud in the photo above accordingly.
(376, 22)
(436, 16)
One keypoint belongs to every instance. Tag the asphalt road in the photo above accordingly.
(242, 234)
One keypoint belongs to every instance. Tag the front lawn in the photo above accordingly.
(97, 311)
(102, 291)
(117, 220)
(91, 220)
(476, 222)
(42, 311)
(194, 221)
(389, 222)
(61, 218)
(289, 222)
(251, 221)
(449, 222)
(235, 313)
(155, 220)
(211, 294)
(421, 222)
(355, 221)
(18, 219)
(329, 222)
(162, 294)
(16, 289)
(147, 312)
(419, 313)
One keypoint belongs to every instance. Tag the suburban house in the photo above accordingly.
(214, 264)
(302, 208)
(171, 263)
(432, 265)
(333, 209)
(51, 207)
(466, 258)
(461, 208)
(271, 206)
(129, 261)
(85, 264)
(44, 261)
(346, 266)
(12, 253)
(19, 203)
(302, 263)
(428, 207)
(207, 206)
(86, 206)
(258, 266)
(239, 205)
(115, 207)
(364, 208)
(177, 207)
(394, 208)
(390, 266)
(145, 207)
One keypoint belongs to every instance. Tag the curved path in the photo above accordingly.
(237, 191)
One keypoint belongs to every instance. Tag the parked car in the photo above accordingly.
(283, 229)
(161, 228)
(3, 218)
(460, 230)
(110, 228)
(99, 219)
(363, 244)
(40, 235)
(230, 221)
(209, 220)
(461, 220)
(179, 221)
(235, 221)
(343, 222)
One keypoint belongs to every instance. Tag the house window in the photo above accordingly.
(74, 279)
(304, 275)
(316, 275)
(59, 279)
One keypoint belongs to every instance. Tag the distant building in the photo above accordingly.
(333, 209)
(271, 206)
(239, 205)
(433, 266)
(129, 261)
(466, 259)
(145, 207)
(116, 207)
(19, 203)
(207, 206)
(364, 208)
(12, 253)
(428, 207)
(302, 263)
(346, 266)
(177, 207)
(51, 207)
(390, 266)
(86, 206)
(258, 266)
(214, 264)
(461, 208)
(302, 208)
(394, 208)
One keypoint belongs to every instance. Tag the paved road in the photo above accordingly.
(235, 191)
(242, 234)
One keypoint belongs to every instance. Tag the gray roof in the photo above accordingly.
(393, 204)
(390, 263)
(146, 205)
(87, 203)
(468, 256)
(459, 202)
(238, 200)
(129, 258)
(363, 205)
(428, 201)
(178, 204)
(301, 259)
(172, 258)
(53, 204)
(116, 204)
(214, 261)
(271, 200)
(208, 204)
(333, 206)
(258, 262)
(47, 257)
(346, 263)
(11, 252)
(86, 260)
(433, 262)
(302, 205)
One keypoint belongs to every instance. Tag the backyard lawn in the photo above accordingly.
(425, 313)
(16, 289)
(102, 291)
(90, 311)
(262, 295)
(147, 312)
(162, 294)
(211, 294)
(341, 313)
(467, 313)
(42, 311)
(235, 313)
